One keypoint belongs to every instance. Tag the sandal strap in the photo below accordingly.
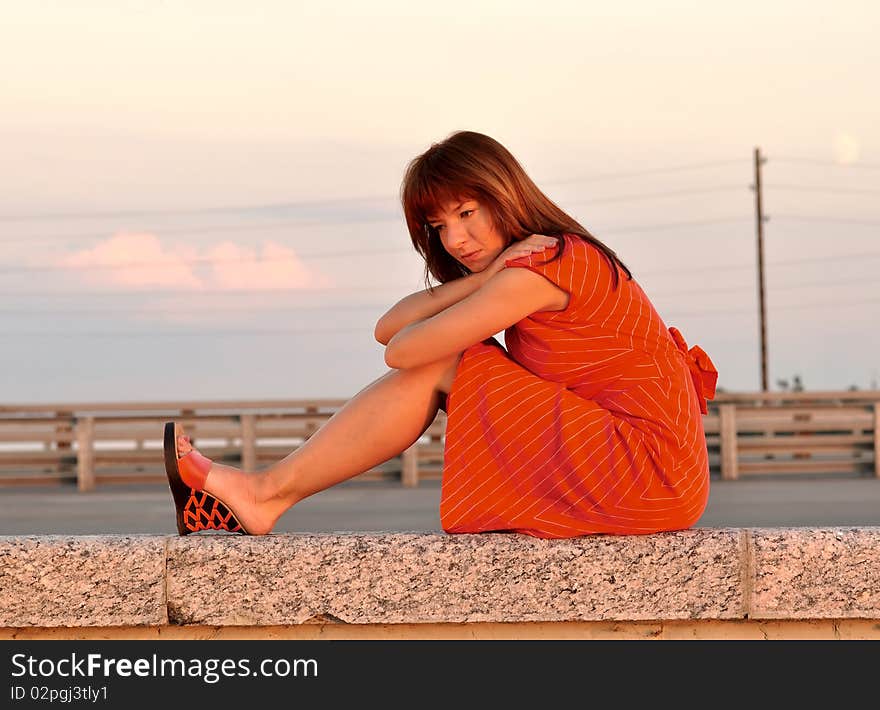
(194, 469)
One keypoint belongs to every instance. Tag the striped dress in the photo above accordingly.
(589, 422)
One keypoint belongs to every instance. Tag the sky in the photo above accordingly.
(199, 200)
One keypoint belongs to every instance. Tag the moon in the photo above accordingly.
(846, 148)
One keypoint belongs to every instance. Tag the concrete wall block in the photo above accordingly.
(429, 578)
(88, 580)
(808, 573)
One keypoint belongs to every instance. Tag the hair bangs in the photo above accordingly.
(432, 192)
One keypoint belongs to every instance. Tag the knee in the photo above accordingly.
(439, 372)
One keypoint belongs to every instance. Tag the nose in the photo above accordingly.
(456, 234)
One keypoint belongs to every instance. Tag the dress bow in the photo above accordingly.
(703, 371)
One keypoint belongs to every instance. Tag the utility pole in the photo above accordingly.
(759, 224)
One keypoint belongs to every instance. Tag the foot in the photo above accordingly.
(237, 490)
(184, 445)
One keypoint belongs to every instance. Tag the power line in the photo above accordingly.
(823, 218)
(632, 228)
(197, 261)
(670, 225)
(657, 195)
(270, 207)
(813, 260)
(825, 284)
(639, 173)
(706, 314)
(191, 309)
(186, 333)
(372, 306)
(782, 287)
(279, 331)
(192, 293)
(379, 219)
(170, 211)
(333, 254)
(210, 229)
(835, 190)
(824, 304)
(827, 163)
(788, 307)
(715, 268)
(743, 266)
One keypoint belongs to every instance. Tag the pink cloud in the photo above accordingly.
(274, 266)
(151, 263)
(136, 260)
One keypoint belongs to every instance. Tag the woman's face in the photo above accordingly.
(468, 234)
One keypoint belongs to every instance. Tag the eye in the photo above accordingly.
(467, 212)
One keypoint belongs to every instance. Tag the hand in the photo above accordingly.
(524, 247)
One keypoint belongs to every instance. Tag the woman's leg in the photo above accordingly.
(378, 423)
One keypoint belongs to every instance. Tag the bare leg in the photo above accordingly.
(378, 423)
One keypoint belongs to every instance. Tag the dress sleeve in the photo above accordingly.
(577, 272)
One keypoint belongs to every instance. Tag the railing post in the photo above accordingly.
(85, 453)
(409, 474)
(727, 427)
(62, 431)
(311, 426)
(249, 442)
(876, 439)
(185, 413)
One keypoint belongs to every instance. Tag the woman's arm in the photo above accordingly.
(424, 304)
(506, 298)
(419, 306)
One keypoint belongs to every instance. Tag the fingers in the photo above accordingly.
(524, 250)
(533, 244)
(540, 240)
(529, 245)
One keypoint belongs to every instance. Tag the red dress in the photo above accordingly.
(590, 422)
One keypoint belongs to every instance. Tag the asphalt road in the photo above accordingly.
(367, 506)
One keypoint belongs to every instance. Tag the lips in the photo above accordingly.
(468, 257)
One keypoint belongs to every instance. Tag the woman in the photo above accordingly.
(589, 422)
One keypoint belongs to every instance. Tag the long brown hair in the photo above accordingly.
(469, 165)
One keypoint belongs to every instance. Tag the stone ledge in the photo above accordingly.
(702, 574)
(57, 580)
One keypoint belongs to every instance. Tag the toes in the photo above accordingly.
(184, 445)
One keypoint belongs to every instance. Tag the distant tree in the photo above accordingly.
(795, 385)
